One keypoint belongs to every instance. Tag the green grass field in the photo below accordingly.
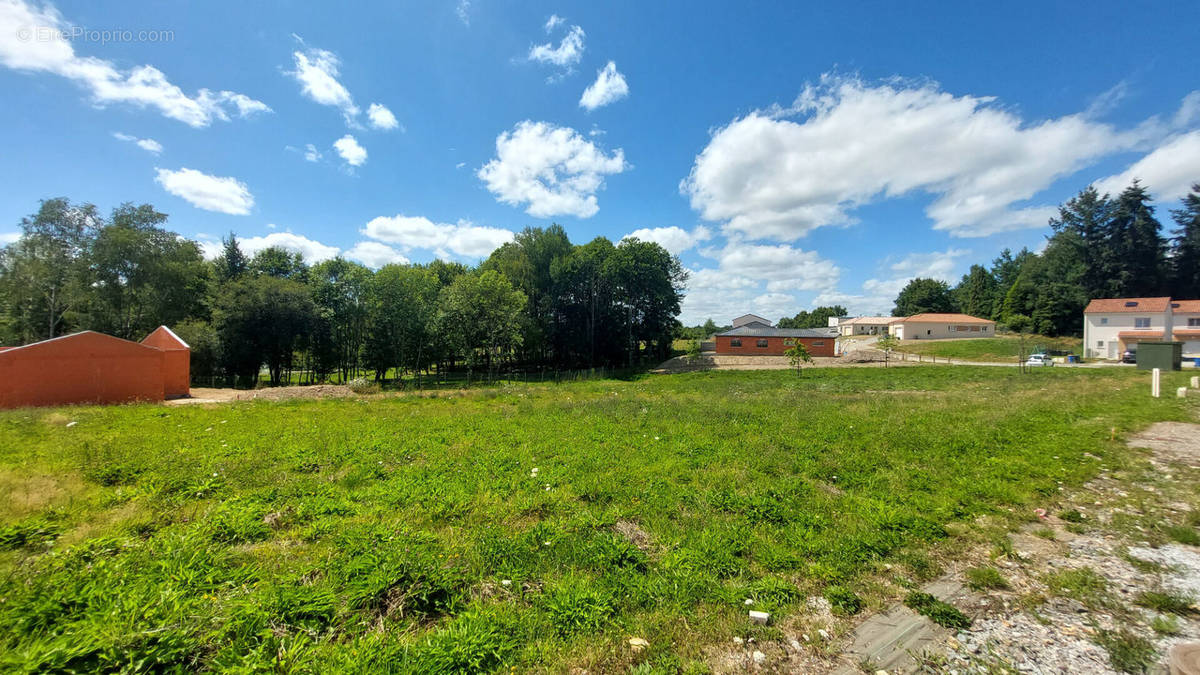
(992, 349)
(525, 527)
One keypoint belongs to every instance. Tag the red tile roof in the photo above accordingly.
(933, 317)
(1186, 333)
(1110, 305)
(1185, 306)
(1141, 334)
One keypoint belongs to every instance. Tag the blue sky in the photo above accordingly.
(792, 154)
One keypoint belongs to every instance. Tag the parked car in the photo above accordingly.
(1129, 356)
(1039, 360)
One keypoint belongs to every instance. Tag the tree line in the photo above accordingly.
(538, 301)
(1101, 247)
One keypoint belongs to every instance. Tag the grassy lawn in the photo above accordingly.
(526, 527)
(1004, 348)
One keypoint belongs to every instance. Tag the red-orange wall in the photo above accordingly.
(775, 346)
(177, 362)
(82, 368)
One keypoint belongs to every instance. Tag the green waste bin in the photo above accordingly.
(1161, 355)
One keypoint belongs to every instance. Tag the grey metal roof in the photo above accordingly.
(748, 331)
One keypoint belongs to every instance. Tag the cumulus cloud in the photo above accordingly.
(552, 170)
(211, 193)
(418, 232)
(147, 144)
(311, 154)
(311, 250)
(32, 39)
(780, 173)
(568, 52)
(878, 295)
(317, 71)
(782, 267)
(1168, 171)
(674, 239)
(9, 237)
(350, 151)
(375, 255)
(609, 86)
(381, 117)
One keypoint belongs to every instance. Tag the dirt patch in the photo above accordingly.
(201, 395)
(634, 534)
(1171, 441)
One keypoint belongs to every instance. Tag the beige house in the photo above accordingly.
(932, 326)
(866, 325)
(1185, 325)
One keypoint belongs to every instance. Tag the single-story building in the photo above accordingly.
(771, 341)
(91, 367)
(939, 326)
(866, 325)
(751, 320)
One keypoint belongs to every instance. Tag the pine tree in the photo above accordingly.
(1185, 248)
(976, 293)
(1089, 216)
(232, 263)
(1138, 249)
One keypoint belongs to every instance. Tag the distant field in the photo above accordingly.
(530, 527)
(989, 349)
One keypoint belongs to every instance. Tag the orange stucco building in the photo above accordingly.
(91, 367)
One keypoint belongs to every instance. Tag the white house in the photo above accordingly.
(1185, 325)
(1113, 325)
(865, 325)
(936, 326)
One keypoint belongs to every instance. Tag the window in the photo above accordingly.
(961, 329)
(1104, 321)
(953, 328)
(735, 342)
(974, 329)
(1193, 323)
(1141, 322)
(762, 343)
(1099, 343)
(819, 343)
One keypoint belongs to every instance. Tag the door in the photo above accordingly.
(1112, 349)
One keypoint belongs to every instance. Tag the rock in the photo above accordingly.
(823, 633)
(638, 644)
(506, 582)
(794, 644)
(760, 618)
(738, 641)
(747, 602)
(759, 657)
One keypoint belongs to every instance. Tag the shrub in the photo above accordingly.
(361, 385)
(1184, 534)
(1071, 516)
(575, 607)
(1127, 652)
(843, 600)
(984, 578)
(939, 612)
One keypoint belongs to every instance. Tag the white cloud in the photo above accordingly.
(9, 237)
(553, 170)
(37, 39)
(1168, 172)
(783, 267)
(375, 255)
(463, 11)
(311, 154)
(609, 86)
(554, 22)
(568, 52)
(349, 150)
(147, 144)
(317, 72)
(311, 250)
(381, 117)
(211, 193)
(877, 296)
(418, 232)
(674, 239)
(782, 172)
